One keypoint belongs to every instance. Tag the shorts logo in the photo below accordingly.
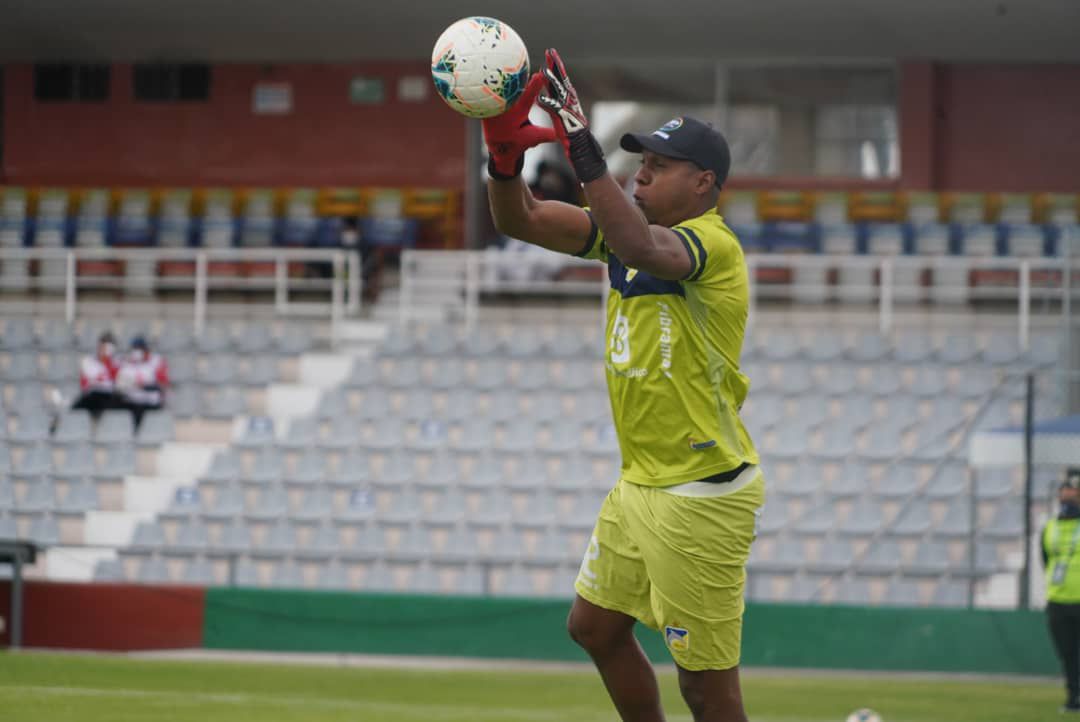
(678, 639)
(673, 124)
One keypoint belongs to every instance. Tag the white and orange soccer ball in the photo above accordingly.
(480, 66)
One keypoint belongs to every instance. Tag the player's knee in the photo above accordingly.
(589, 635)
(710, 703)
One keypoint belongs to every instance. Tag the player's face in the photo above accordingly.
(664, 188)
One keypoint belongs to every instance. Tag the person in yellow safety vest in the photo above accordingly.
(1060, 544)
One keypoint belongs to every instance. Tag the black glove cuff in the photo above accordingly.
(498, 175)
(586, 156)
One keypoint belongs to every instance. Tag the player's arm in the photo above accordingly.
(656, 250)
(558, 226)
(551, 224)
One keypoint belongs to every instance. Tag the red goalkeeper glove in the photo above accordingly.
(564, 107)
(510, 134)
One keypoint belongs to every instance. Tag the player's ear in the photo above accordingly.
(706, 182)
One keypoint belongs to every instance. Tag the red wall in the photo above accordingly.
(325, 141)
(107, 616)
(990, 127)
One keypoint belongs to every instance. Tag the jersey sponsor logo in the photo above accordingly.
(701, 445)
(630, 273)
(677, 638)
(665, 338)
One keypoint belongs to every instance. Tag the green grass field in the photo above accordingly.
(61, 688)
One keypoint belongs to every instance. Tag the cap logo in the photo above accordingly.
(673, 124)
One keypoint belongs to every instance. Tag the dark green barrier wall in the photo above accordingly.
(775, 635)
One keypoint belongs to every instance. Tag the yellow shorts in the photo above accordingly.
(677, 564)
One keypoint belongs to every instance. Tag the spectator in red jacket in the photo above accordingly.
(142, 380)
(97, 379)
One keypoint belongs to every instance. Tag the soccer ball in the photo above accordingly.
(480, 66)
(864, 715)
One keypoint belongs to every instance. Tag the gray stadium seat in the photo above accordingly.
(115, 427)
(976, 383)
(157, 428)
(21, 366)
(852, 591)
(375, 405)
(36, 460)
(235, 537)
(258, 433)
(824, 346)
(370, 543)
(311, 468)
(80, 498)
(333, 575)
(882, 442)
(40, 495)
(448, 374)
(227, 502)
(74, 428)
(221, 369)
(1007, 521)
(185, 401)
(119, 462)
(994, 483)
(900, 480)
(59, 368)
(483, 343)
(254, 338)
(869, 347)
(245, 574)
(363, 374)
(214, 339)
(958, 349)
(78, 460)
(224, 403)
(280, 538)
(8, 528)
(148, 535)
(325, 539)
(295, 339)
(567, 343)
(224, 466)
(268, 467)
(1002, 350)
(287, 575)
(438, 341)
(175, 337)
(109, 570)
(950, 593)
(837, 442)
(316, 504)
(884, 380)
(192, 536)
(839, 381)
(153, 570)
(914, 521)
(199, 571)
(271, 503)
(31, 427)
(417, 405)
(261, 371)
(883, 557)
(913, 347)
(404, 373)
(957, 519)
(836, 555)
(18, 334)
(781, 346)
(490, 374)
(902, 593)
(7, 493)
(864, 519)
(378, 577)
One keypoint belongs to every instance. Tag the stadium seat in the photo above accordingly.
(153, 570)
(914, 521)
(78, 460)
(882, 557)
(109, 570)
(115, 427)
(73, 428)
(157, 428)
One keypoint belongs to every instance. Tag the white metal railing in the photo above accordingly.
(58, 270)
(456, 280)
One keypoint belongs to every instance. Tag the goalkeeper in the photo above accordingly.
(672, 539)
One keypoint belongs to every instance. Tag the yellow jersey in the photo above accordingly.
(672, 359)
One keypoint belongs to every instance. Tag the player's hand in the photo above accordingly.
(510, 134)
(561, 101)
(564, 107)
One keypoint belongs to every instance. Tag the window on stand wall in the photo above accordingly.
(70, 82)
(171, 82)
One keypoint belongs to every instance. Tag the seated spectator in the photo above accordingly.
(97, 379)
(142, 379)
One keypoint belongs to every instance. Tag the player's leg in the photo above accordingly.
(608, 637)
(713, 695)
(695, 550)
(613, 591)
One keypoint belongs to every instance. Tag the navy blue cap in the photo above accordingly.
(139, 342)
(685, 138)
